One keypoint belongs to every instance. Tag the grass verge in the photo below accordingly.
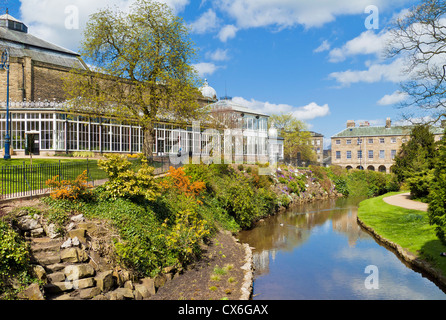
(408, 228)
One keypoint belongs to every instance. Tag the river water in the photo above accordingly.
(318, 251)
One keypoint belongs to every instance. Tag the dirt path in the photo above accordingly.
(403, 200)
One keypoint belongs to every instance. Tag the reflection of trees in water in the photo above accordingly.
(293, 228)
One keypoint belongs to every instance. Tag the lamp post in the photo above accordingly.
(5, 65)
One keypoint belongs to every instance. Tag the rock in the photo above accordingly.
(73, 255)
(75, 242)
(78, 218)
(84, 283)
(36, 233)
(128, 284)
(66, 244)
(149, 283)
(32, 292)
(39, 272)
(44, 258)
(56, 277)
(160, 280)
(26, 223)
(89, 293)
(99, 297)
(70, 226)
(104, 280)
(55, 267)
(89, 226)
(69, 255)
(79, 233)
(50, 230)
(143, 291)
(125, 292)
(58, 287)
(78, 271)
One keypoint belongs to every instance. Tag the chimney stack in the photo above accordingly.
(350, 124)
(388, 123)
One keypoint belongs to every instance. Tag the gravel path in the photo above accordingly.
(403, 200)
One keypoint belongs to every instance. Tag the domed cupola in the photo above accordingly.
(208, 92)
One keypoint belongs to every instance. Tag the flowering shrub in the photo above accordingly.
(179, 181)
(69, 189)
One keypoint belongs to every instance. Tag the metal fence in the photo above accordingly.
(19, 181)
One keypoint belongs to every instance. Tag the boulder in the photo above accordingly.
(32, 292)
(90, 293)
(78, 233)
(125, 292)
(56, 277)
(84, 283)
(142, 290)
(39, 272)
(26, 223)
(73, 255)
(58, 287)
(149, 283)
(78, 218)
(78, 271)
(104, 280)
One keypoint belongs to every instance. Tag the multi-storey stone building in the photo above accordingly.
(369, 147)
(317, 142)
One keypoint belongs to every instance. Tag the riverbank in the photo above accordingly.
(407, 232)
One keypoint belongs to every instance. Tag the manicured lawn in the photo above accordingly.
(408, 228)
(17, 175)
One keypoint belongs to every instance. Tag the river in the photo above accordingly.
(318, 251)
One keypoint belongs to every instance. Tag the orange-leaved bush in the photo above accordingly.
(69, 189)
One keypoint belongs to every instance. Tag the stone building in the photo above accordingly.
(38, 113)
(317, 142)
(369, 147)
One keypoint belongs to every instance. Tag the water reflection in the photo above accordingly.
(318, 251)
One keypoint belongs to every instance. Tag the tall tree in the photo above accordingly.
(297, 140)
(141, 68)
(419, 37)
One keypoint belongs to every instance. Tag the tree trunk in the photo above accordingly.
(149, 139)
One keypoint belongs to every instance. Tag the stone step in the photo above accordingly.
(45, 258)
(45, 244)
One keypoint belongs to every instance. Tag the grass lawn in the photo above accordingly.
(408, 228)
(16, 178)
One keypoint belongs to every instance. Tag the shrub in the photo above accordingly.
(125, 183)
(69, 189)
(437, 195)
(14, 257)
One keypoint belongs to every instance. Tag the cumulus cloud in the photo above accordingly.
(218, 55)
(375, 72)
(205, 68)
(207, 22)
(308, 112)
(288, 13)
(393, 98)
(52, 20)
(367, 42)
(227, 32)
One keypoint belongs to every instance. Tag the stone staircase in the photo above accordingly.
(74, 267)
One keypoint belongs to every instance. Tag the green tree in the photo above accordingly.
(142, 68)
(296, 138)
(417, 154)
(437, 196)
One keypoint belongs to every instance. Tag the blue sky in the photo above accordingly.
(319, 59)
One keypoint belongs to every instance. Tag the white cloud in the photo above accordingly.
(227, 32)
(367, 42)
(325, 46)
(207, 22)
(376, 72)
(205, 68)
(393, 98)
(218, 55)
(308, 112)
(288, 13)
(47, 19)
